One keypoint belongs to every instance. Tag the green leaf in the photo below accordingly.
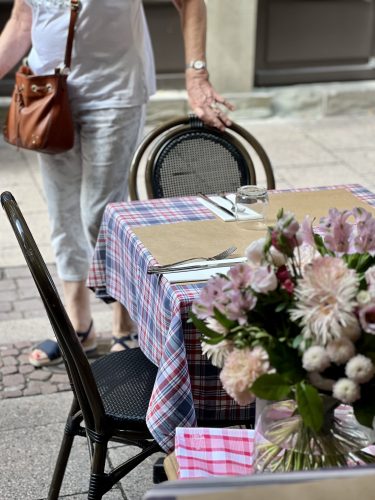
(310, 406)
(319, 243)
(271, 386)
(366, 345)
(222, 319)
(286, 361)
(203, 328)
(364, 408)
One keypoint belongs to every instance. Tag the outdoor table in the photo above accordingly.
(187, 386)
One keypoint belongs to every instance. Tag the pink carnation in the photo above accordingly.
(241, 368)
(367, 317)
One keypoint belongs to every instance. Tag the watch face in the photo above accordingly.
(199, 65)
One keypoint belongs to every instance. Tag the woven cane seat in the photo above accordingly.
(125, 381)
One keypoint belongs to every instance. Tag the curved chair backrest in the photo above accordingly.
(184, 157)
(77, 365)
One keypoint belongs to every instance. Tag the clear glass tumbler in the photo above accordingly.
(251, 207)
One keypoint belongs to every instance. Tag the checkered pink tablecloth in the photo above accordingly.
(187, 386)
(202, 452)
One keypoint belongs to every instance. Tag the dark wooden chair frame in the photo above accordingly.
(87, 406)
(160, 137)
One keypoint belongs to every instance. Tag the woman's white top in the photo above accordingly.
(112, 61)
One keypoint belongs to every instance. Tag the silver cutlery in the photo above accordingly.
(217, 205)
(208, 265)
(222, 255)
(233, 206)
(225, 197)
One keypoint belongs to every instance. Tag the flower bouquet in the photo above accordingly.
(296, 324)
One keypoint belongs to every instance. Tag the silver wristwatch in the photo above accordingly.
(197, 64)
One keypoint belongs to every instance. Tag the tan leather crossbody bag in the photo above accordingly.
(39, 115)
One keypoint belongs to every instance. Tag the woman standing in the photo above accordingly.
(111, 79)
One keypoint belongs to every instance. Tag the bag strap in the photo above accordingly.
(74, 8)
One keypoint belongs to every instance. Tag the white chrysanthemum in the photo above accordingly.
(217, 353)
(360, 369)
(315, 359)
(325, 299)
(340, 350)
(214, 325)
(363, 297)
(346, 390)
(322, 383)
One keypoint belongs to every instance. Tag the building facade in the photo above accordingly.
(263, 42)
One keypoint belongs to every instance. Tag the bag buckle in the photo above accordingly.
(75, 4)
(62, 70)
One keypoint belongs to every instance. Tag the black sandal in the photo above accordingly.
(131, 337)
(52, 350)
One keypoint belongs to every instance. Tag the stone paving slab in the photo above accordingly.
(30, 434)
(19, 297)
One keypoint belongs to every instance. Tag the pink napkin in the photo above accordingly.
(202, 452)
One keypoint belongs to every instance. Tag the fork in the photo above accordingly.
(222, 255)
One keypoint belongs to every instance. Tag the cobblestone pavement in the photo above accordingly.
(19, 299)
(19, 378)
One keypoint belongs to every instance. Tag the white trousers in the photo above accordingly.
(78, 184)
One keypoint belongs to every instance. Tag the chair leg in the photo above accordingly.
(71, 427)
(100, 482)
(59, 472)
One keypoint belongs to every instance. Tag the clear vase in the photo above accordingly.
(283, 443)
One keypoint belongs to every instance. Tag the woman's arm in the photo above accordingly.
(15, 39)
(203, 98)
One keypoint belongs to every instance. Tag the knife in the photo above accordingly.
(217, 205)
(181, 269)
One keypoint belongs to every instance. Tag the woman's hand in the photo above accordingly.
(205, 102)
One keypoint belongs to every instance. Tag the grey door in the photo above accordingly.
(314, 40)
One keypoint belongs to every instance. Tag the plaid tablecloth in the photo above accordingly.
(187, 386)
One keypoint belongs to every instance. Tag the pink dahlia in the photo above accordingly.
(325, 302)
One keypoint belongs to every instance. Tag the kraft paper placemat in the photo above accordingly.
(182, 240)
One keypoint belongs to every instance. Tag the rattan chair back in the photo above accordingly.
(185, 157)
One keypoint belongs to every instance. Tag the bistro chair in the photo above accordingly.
(185, 157)
(110, 396)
